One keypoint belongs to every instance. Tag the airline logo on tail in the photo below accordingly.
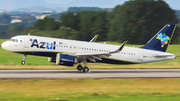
(163, 38)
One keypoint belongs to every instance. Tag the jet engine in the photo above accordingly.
(65, 59)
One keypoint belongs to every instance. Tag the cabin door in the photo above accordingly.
(140, 56)
(26, 43)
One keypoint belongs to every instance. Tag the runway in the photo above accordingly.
(94, 73)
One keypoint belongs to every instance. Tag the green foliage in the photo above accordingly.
(62, 32)
(178, 15)
(14, 30)
(46, 24)
(176, 36)
(138, 20)
(77, 9)
(55, 16)
(3, 34)
(5, 18)
(27, 18)
(66, 33)
(88, 23)
(51, 24)
(70, 19)
(40, 24)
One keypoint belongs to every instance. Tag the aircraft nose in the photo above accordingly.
(5, 45)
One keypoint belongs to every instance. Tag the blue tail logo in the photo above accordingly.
(163, 38)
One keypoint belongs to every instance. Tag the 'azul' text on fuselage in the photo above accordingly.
(44, 45)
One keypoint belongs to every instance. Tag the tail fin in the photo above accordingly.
(162, 39)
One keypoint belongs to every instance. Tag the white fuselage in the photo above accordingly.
(42, 45)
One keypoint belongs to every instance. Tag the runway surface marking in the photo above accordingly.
(94, 73)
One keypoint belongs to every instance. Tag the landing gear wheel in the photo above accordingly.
(24, 58)
(79, 67)
(85, 69)
(23, 62)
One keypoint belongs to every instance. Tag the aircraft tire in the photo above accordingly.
(23, 62)
(79, 67)
(85, 69)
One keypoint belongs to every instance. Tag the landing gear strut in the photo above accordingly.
(85, 69)
(24, 58)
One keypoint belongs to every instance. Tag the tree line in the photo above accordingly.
(135, 20)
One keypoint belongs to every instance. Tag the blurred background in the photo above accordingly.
(114, 20)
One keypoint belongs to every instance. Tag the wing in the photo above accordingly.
(93, 56)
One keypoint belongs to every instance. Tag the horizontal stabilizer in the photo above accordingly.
(162, 56)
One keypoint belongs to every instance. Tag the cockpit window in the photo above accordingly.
(13, 40)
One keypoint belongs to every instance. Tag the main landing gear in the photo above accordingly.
(24, 58)
(85, 69)
(79, 67)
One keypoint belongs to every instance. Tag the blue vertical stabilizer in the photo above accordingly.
(162, 39)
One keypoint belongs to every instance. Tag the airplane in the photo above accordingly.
(69, 52)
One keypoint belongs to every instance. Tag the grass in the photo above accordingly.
(90, 89)
(9, 59)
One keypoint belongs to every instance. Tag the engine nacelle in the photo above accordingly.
(65, 59)
(52, 59)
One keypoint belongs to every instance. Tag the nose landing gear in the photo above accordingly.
(24, 58)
